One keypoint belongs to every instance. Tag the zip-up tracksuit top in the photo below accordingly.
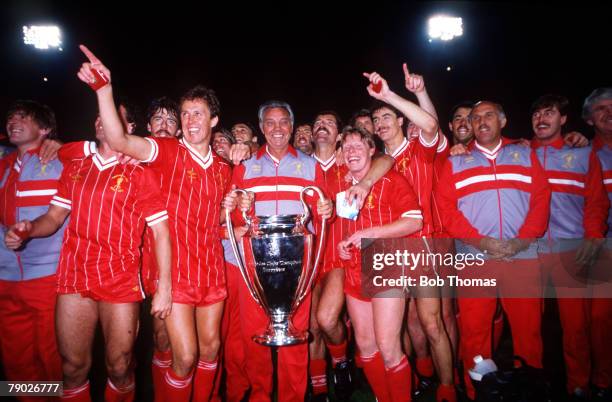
(579, 205)
(501, 194)
(26, 187)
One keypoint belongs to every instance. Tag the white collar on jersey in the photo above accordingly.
(489, 154)
(206, 161)
(326, 165)
(90, 148)
(399, 150)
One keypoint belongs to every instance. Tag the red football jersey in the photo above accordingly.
(334, 177)
(390, 199)
(109, 205)
(193, 187)
(414, 160)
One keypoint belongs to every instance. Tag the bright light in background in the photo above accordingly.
(42, 37)
(445, 28)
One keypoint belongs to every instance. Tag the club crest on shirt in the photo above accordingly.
(256, 168)
(192, 175)
(402, 165)
(298, 167)
(469, 159)
(43, 170)
(120, 180)
(76, 177)
(516, 156)
(568, 160)
(370, 202)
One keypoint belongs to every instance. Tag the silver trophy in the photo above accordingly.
(277, 266)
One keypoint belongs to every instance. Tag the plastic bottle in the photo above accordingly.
(482, 367)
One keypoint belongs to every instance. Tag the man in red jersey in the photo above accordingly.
(98, 274)
(194, 182)
(391, 210)
(414, 159)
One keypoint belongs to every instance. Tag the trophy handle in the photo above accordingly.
(241, 266)
(306, 284)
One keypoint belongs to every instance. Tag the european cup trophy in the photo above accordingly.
(276, 262)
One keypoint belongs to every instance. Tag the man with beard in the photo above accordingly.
(302, 138)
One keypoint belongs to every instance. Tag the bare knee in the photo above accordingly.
(160, 339)
(209, 347)
(390, 350)
(75, 369)
(327, 320)
(118, 365)
(183, 362)
(433, 327)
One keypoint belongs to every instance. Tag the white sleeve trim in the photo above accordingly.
(156, 218)
(154, 151)
(61, 202)
(425, 143)
(414, 214)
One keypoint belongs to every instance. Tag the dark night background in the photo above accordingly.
(310, 54)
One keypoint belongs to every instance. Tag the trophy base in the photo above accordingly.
(281, 337)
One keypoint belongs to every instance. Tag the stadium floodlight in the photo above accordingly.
(42, 36)
(445, 28)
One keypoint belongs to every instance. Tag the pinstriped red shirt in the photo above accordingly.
(193, 187)
(109, 205)
(414, 160)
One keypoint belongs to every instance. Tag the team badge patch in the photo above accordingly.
(568, 160)
(192, 174)
(120, 180)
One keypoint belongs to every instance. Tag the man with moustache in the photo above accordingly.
(579, 208)
(302, 138)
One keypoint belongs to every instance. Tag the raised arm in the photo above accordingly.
(416, 84)
(114, 131)
(424, 120)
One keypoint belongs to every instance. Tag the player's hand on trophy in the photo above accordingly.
(325, 208)
(17, 234)
(161, 305)
(588, 252)
(246, 201)
(239, 153)
(414, 82)
(93, 72)
(378, 87)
